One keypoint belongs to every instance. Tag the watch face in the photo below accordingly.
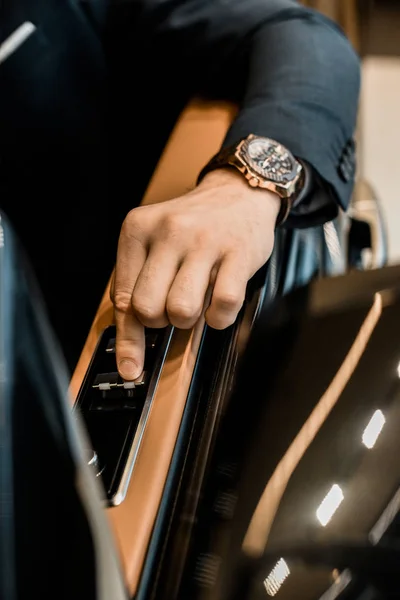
(270, 160)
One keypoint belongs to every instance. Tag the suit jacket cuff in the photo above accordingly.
(315, 204)
(307, 137)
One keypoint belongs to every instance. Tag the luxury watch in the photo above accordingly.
(265, 163)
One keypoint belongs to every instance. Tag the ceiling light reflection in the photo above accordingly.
(330, 504)
(276, 578)
(373, 429)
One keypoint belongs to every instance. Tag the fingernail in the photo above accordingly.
(128, 369)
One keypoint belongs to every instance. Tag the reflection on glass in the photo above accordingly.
(330, 504)
(398, 369)
(373, 429)
(277, 576)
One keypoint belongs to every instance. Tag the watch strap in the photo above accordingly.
(225, 158)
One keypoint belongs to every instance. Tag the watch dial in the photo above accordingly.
(270, 160)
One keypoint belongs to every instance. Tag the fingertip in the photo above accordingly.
(129, 346)
(129, 369)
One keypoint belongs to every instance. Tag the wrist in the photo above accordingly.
(232, 179)
(224, 176)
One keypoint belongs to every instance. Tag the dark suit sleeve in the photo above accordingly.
(293, 72)
(302, 90)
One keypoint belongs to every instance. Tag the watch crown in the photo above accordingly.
(254, 182)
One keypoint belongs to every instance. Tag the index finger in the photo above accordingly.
(130, 342)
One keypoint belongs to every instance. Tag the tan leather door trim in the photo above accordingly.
(197, 136)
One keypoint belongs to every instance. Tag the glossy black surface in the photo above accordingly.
(112, 416)
(46, 541)
(297, 258)
(336, 338)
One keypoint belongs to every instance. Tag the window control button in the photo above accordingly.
(109, 381)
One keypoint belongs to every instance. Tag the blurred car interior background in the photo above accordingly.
(373, 27)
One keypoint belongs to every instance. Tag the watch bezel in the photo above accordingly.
(284, 181)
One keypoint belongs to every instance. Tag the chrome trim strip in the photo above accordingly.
(386, 519)
(338, 586)
(120, 494)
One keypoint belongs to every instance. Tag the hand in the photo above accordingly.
(169, 254)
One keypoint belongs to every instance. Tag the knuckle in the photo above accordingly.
(131, 220)
(134, 215)
(205, 238)
(122, 301)
(144, 309)
(134, 224)
(181, 311)
(227, 302)
(174, 224)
